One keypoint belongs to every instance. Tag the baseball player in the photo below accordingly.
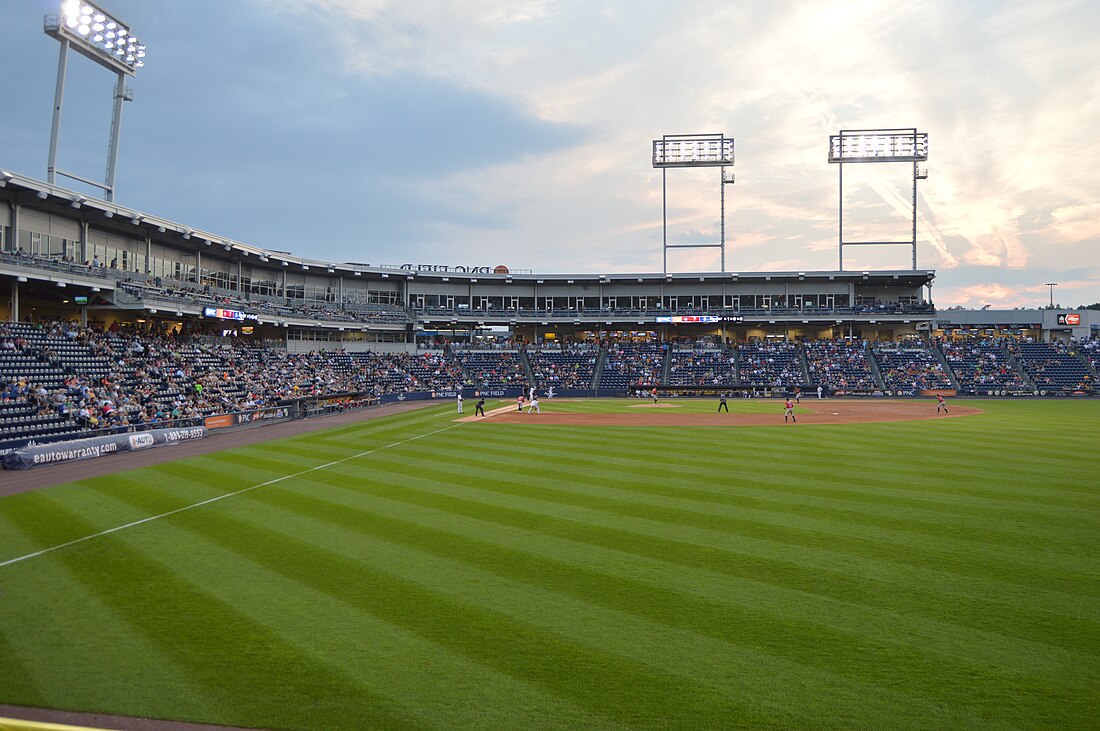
(797, 395)
(519, 402)
(459, 402)
(722, 405)
(653, 393)
(788, 411)
(941, 404)
(479, 407)
(534, 405)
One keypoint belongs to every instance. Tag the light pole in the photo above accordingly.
(1052, 285)
(95, 34)
(905, 145)
(693, 151)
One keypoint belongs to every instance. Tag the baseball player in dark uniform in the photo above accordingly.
(479, 407)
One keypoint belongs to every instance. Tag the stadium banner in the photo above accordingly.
(251, 417)
(34, 455)
(219, 421)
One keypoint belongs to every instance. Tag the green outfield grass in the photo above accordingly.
(416, 572)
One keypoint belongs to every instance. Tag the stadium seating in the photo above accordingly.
(911, 367)
(629, 363)
(492, 369)
(770, 365)
(982, 367)
(701, 367)
(572, 366)
(840, 366)
(1053, 367)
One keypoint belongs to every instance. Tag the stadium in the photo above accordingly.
(247, 488)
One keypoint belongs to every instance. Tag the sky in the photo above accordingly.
(519, 132)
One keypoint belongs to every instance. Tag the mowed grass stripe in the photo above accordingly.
(68, 641)
(208, 637)
(782, 509)
(653, 599)
(305, 619)
(863, 579)
(573, 501)
(740, 482)
(360, 511)
(858, 452)
(379, 584)
(508, 618)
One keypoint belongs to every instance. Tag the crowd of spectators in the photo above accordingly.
(981, 366)
(761, 363)
(701, 367)
(840, 365)
(569, 365)
(911, 367)
(492, 369)
(633, 363)
(1054, 366)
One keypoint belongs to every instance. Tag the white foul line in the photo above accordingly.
(73, 542)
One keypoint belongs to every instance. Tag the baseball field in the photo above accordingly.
(519, 572)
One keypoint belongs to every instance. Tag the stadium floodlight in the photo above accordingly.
(904, 145)
(693, 151)
(99, 36)
(1052, 285)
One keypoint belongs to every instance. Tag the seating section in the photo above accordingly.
(841, 366)
(771, 365)
(909, 368)
(492, 369)
(630, 363)
(572, 366)
(982, 367)
(1053, 367)
(701, 367)
(1090, 351)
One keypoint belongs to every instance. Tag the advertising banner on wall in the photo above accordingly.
(34, 455)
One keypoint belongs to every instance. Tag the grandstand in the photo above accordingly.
(982, 367)
(1053, 368)
(777, 364)
(842, 366)
(696, 366)
(909, 367)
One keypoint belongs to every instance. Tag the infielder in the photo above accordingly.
(789, 411)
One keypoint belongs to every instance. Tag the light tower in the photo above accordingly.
(95, 34)
(905, 145)
(693, 151)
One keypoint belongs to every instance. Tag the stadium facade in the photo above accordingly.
(65, 255)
